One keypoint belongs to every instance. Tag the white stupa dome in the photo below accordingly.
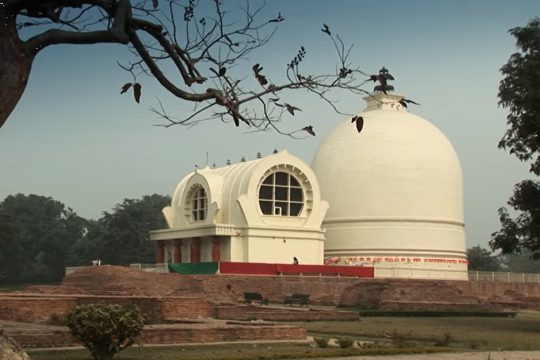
(395, 192)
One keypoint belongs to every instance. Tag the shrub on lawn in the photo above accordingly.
(321, 342)
(345, 343)
(105, 329)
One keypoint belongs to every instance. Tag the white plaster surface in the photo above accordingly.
(395, 191)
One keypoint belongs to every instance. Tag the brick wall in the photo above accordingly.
(176, 334)
(177, 297)
(150, 307)
(185, 308)
(57, 338)
(35, 309)
(172, 334)
(52, 310)
(323, 290)
(374, 293)
(101, 280)
(241, 312)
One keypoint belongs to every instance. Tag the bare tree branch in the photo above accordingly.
(209, 52)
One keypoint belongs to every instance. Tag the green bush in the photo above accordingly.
(105, 329)
(345, 343)
(321, 342)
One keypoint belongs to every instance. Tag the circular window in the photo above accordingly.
(281, 194)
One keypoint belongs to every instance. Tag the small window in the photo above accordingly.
(265, 192)
(296, 195)
(266, 207)
(199, 203)
(282, 178)
(281, 194)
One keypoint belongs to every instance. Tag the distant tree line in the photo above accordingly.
(481, 259)
(40, 236)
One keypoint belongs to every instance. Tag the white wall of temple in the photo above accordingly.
(238, 249)
(394, 236)
(282, 250)
(456, 271)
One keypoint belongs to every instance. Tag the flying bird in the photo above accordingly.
(309, 130)
(326, 29)
(404, 102)
(359, 122)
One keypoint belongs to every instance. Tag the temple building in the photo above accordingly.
(267, 210)
(389, 197)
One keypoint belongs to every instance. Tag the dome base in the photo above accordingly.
(408, 266)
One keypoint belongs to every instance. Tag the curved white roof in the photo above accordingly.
(233, 192)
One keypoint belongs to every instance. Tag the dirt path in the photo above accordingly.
(495, 355)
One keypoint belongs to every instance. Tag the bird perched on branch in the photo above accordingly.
(260, 77)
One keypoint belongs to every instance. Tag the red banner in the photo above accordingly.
(247, 268)
(325, 270)
(288, 269)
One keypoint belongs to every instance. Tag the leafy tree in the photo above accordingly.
(89, 246)
(205, 47)
(481, 259)
(35, 234)
(522, 263)
(106, 329)
(10, 249)
(121, 237)
(519, 93)
(127, 227)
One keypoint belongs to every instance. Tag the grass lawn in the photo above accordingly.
(401, 334)
(229, 352)
(485, 333)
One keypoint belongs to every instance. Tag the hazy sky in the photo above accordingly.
(75, 138)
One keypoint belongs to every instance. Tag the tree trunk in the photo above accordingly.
(15, 64)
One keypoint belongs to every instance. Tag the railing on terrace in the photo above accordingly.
(160, 267)
(500, 276)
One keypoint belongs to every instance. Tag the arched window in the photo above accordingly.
(199, 203)
(281, 194)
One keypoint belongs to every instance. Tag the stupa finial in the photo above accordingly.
(383, 78)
